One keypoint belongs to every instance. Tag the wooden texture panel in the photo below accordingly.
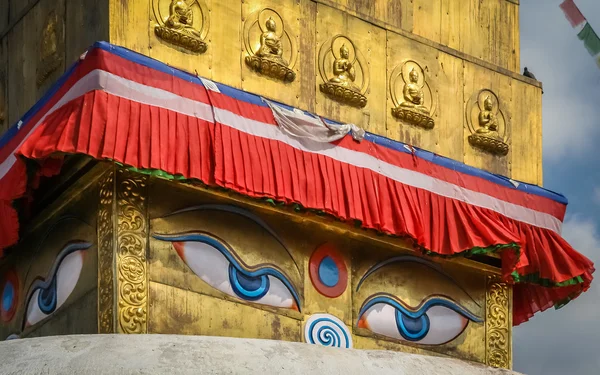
(17, 7)
(4, 14)
(3, 85)
(444, 75)
(23, 44)
(177, 311)
(371, 41)
(86, 21)
(43, 11)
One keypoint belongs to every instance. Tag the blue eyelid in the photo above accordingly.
(219, 246)
(422, 310)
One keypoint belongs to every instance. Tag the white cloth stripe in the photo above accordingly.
(119, 86)
(404, 176)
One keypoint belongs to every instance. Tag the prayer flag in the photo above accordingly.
(572, 13)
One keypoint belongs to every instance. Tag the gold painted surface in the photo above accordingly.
(476, 80)
(498, 338)
(132, 242)
(412, 283)
(343, 75)
(178, 311)
(487, 123)
(370, 41)
(412, 95)
(106, 241)
(267, 56)
(183, 23)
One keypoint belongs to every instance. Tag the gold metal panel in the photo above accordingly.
(131, 248)
(444, 75)
(477, 79)
(106, 246)
(526, 162)
(178, 311)
(407, 279)
(498, 338)
(177, 55)
(394, 13)
(286, 15)
(371, 41)
(427, 20)
(225, 42)
(129, 24)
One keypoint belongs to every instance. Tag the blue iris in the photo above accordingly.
(47, 298)
(250, 288)
(8, 295)
(412, 329)
(328, 272)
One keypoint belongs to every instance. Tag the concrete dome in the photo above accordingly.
(170, 354)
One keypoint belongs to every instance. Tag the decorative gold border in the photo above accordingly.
(498, 324)
(106, 242)
(132, 243)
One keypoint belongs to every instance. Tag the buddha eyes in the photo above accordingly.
(216, 265)
(46, 296)
(437, 321)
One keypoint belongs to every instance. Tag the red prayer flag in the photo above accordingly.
(572, 13)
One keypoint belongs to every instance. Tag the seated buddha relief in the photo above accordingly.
(487, 123)
(178, 28)
(268, 59)
(416, 105)
(346, 71)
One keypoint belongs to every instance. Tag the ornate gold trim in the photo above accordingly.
(106, 242)
(178, 29)
(486, 143)
(413, 117)
(132, 242)
(498, 323)
(343, 95)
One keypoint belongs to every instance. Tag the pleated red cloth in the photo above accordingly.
(133, 117)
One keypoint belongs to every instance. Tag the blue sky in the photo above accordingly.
(565, 341)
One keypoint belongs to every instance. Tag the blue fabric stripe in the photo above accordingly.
(256, 100)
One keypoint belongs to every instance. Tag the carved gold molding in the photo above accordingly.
(105, 254)
(182, 23)
(498, 323)
(132, 232)
(344, 71)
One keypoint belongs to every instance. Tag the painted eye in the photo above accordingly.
(214, 263)
(47, 296)
(9, 292)
(436, 322)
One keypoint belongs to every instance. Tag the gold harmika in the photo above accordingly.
(269, 59)
(498, 324)
(491, 133)
(178, 28)
(340, 84)
(417, 96)
(50, 60)
(105, 254)
(131, 252)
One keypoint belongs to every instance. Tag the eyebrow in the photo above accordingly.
(411, 259)
(239, 211)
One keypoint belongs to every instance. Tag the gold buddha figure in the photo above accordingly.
(181, 18)
(343, 70)
(414, 96)
(270, 44)
(488, 123)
